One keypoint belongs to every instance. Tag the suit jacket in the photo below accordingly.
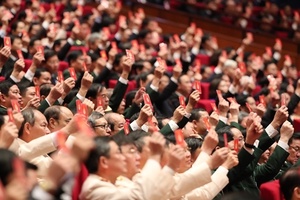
(3, 110)
(209, 190)
(35, 152)
(117, 96)
(145, 186)
(268, 171)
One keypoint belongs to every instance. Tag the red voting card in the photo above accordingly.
(278, 41)
(7, 42)
(78, 106)
(262, 100)
(236, 145)
(248, 106)
(269, 51)
(79, 8)
(225, 140)
(147, 100)
(20, 54)
(41, 50)
(84, 67)
(197, 86)
(114, 45)
(182, 101)
(176, 38)
(214, 107)
(283, 101)
(72, 73)
(199, 32)
(61, 141)
(25, 34)
(296, 14)
(206, 122)
(37, 91)
(179, 137)
(15, 105)
(103, 55)
(10, 115)
(19, 169)
(106, 31)
(84, 110)
(178, 62)
(122, 19)
(126, 128)
(130, 55)
(242, 67)
(230, 99)
(83, 126)
(99, 102)
(60, 76)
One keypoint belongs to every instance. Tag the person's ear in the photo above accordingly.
(52, 123)
(26, 130)
(296, 193)
(2, 97)
(34, 80)
(103, 162)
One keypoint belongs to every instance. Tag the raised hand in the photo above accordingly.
(8, 133)
(145, 113)
(178, 114)
(286, 131)
(156, 144)
(210, 142)
(193, 100)
(218, 157)
(138, 98)
(176, 155)
(280, 117)
(231, 161)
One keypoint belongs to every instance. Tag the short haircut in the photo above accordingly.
(23, 88)
(195, 114)
(288, 181)
(102, 148)
(93, 117)
(52, 112)
(94, 90)
(6, 162)
(138, 138)
(121, 139)
(296, 136)
(39, 71)
(73, 56)
(45, 89)
(5, 86)
(193, 144)
(93, 37)
(28, 115)
(49, 54)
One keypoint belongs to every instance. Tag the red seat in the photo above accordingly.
(205, 104)
(271, 190)
(204, 90)
(2, 78)
(296, 124)
(282, 34)
(203, 58)
(86, 10)
(79, 180)
(79, 48)
(256, 90)
(169, 69)
(63, 66)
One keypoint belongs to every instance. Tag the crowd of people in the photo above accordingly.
(98, 105)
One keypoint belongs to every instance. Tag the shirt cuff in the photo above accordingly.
(250, 151)
(195, 51)
(134, 126)
(283, 145)
(173, 125)
(14, 79)
(29, 75)
(176, 55)
(38, 193)
(109, 66)
(81, 98)
(145, 128)
(154, 88)
(60, 101)
(124, 81)
(168, 170)
(47, 102)
(232, 89)
(54, 139)
(187, 115)
(70, 41)
(271, 131)
(223, 119)
(223, 170)
(45, 25)
(174, 80)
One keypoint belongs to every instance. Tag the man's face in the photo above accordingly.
(13, 93)
(45, 78)
(237, 134)
(145, 153)
(29, 94)
(294, 151)
(20, 28)
(118, 121)
(78, 63)
(271, 69)
(185, 85)
(133, 159)
(251, 102)
(199, 125)
(101, 127)
(105, 99)
(17, 44)
(164, 81)
(40, 127)
(116, 162)
(52, 64)
(64, 118)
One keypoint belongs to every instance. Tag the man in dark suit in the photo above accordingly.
(8, 91)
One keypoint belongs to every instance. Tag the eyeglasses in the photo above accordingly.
(103, 126)
(297, 149)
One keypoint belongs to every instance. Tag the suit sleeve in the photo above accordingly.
(117, 96)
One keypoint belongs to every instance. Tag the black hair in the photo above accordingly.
(49, 54)
(73, 55)
(52, 112)
(193, 144)
(221, 131)
(94, 90)
(296, 136)
(121, 139)
(102, 148)
(6, 162)
(195, 114)
(288, 181)
(39, 71)
(45, 89)
(5, 86)
(138, 138)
